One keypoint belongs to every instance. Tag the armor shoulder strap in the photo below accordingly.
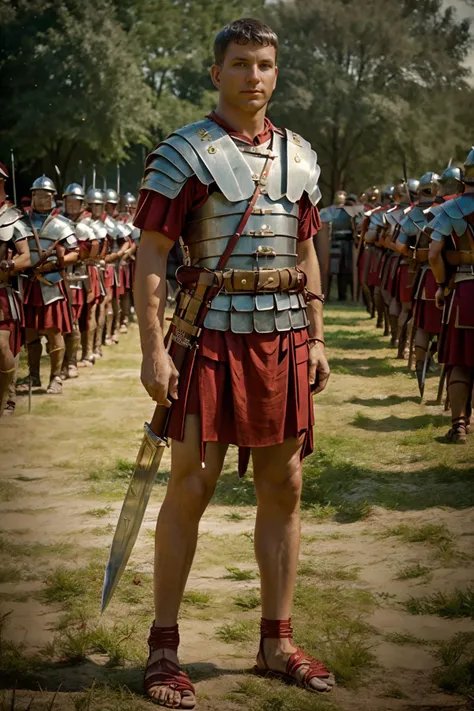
(21, 230)
(84, 232)
(312, 187)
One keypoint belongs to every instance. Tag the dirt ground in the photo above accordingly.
(386, 588)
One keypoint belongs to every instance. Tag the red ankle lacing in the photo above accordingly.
(164, 638)
(276, 629)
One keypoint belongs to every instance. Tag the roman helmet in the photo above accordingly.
(44, 183)
(451, 181)
(111, 196)
(428, 184)
(95, 196)
(469, 168)
(74, 190)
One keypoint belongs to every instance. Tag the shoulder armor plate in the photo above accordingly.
(84, 232)
(204, 149)
(9, 215)
(59, 228)
(460, 206)
(21, 230)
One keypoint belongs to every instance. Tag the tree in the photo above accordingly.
(74, 85)
(368, 87)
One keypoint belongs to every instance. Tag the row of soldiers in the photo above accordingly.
(65, 274)
(412, 256)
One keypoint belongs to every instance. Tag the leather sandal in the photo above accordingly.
(281, 629)
(164, 672)
(458, 432)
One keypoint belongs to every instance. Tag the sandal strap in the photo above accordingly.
(316, 669)
(163, 638)
(168, 674)
(276, 629)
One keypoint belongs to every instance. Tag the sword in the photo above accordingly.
(442, 383)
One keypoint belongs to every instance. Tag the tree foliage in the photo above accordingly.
(377, 90)
(371, 90)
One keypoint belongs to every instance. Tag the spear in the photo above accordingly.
(93, 176)
(118, 179)
(13, 176)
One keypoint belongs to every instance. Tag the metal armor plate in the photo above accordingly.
(207, 151)
(49, 231)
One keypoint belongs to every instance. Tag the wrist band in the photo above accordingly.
(310, 296)
(316, 340)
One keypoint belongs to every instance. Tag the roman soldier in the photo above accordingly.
(117, 276)
(78, 278)
(53, 247)
(413, 243)
(97, 248)
(129, 206)
(14, 257)
(451, 256)
(404, 194)
(243, 196)
(370, 254)
(342, 235)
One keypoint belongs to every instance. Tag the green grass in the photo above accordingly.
(234, 516)
(238, 574)
(197, 598)
(9, 574)
(437, 535)
(248, 600)
(237, 632)
(413, 571)
(456, 672)
(404, 638)
(63, 586)
(74, 646)
(257, 694)
(327, 573)
(99, 512)
(458, 603)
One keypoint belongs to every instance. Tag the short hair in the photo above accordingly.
(244, 31)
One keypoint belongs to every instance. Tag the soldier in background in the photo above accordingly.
(97, 250)
(74, 210)
(451, 183)
(342, 230)
(404, 194)
(115, 272)
(14, 257)
(47, 308)
(451, 256)
(129, 206)
(413, 244)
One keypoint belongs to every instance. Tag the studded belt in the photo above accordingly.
(256, 281)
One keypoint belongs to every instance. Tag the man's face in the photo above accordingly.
(110, 208)
(247, 77)
(96, 209)
(42, 201)
(73, 206)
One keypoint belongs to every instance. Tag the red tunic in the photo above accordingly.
(250, 390)
(457, 334)
(41, 317)
(8, 323)
(427, 316)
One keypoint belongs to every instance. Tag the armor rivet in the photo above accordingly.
(254, 176)
(244, 281)
(264, 227)
(297, 158)
(270, 279)
(212, 149)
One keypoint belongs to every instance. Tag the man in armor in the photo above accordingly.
(450, 183)
(127, 215)
(404, 194)
(370, 255)
(342, 230)
(95, 249)
(78, 278)
(233, 178)
(413, 243)
(14, 257)
(117, 275)
(451, 256)
(53, 246)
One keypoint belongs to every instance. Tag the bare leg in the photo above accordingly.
(56, 354)
(7, 368)
(189, 491)
(125, 311)
(99, 333)
(278, 480)
(403, 330)
(379, 307)
(72, 342)
(34, 349)
(116, 319)
(394, 310)
(459, 391)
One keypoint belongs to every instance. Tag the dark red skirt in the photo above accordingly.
(109, 276)
(41, 317)
(361, 266)
(78, 299)
(94, 285)
(427, 315)
(374, 267)
(249, 390)
(457, 335)
(8, 323)
(404, 284)
(391, 275)
(126, 277)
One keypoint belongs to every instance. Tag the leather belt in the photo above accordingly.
(257, 281)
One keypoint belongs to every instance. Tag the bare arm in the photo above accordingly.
(402, 248)
(438, 268)
(307, 261)
(22, 259)
(158, 375)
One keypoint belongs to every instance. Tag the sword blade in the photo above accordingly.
(133, 511)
